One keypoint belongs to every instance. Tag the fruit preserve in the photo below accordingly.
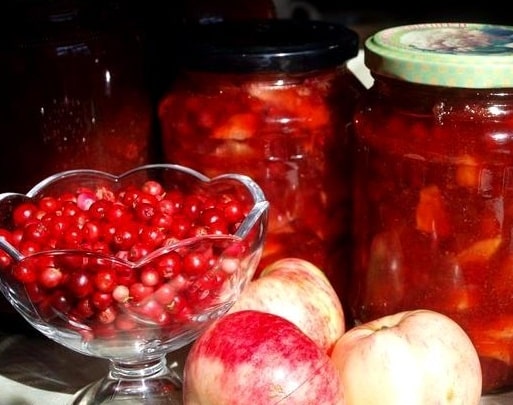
(433, 183)
(273, 99)
(74, 93)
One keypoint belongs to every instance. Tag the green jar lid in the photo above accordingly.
(445, 54)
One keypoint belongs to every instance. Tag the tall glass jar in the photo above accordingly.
(74, 94)
(273, 99)
(433, 183)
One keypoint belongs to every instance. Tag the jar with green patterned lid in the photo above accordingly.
(433, 183)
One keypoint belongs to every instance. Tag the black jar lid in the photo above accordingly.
(267, 45)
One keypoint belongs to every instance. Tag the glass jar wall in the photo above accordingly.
(74, 95)
(273, 99)
(74, 92)
(433, 195)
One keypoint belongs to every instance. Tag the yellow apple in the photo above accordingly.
(418, 357)
(300, 292)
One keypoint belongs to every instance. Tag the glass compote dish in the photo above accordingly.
(130, 268)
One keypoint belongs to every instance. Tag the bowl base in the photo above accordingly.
(160, 388)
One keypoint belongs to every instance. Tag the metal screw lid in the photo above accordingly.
(466, 55)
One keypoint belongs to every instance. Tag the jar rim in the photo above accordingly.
(266, 45)
(468, 55)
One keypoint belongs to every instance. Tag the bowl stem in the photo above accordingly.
(148, 382)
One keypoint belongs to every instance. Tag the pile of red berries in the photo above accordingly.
(90, 256)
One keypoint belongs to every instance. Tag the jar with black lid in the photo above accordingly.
(433, 186)
(273, 99)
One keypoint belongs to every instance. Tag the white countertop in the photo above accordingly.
(13, 392)
(37, 371)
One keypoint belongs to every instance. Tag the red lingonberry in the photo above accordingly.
(23, 213)
(110, 282)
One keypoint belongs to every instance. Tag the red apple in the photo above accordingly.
(297, 290)
(257, 358)
(416, 357)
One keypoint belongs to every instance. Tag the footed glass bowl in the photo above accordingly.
(130, 268)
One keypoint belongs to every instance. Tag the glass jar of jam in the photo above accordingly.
(273, 99)
(74, 94)
(433, 183)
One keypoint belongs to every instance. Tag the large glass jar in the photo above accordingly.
(74, 96)
(433, 185)
(74, 93)
(273, 99)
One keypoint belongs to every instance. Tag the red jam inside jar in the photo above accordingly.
(75, 94)
(273, 100)
(433, 186)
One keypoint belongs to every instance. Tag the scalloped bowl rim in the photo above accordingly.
(258, 210)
